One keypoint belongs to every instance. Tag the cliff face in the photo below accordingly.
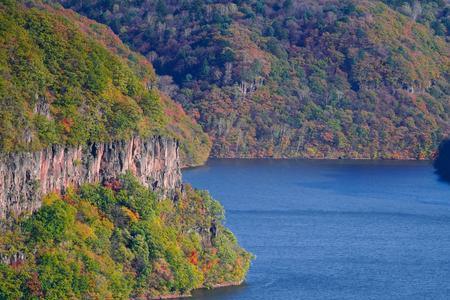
(26, 177)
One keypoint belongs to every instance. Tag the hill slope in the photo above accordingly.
(118, 242)
(68, 80)
(358, 79)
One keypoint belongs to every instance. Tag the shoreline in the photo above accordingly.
(308, 159)
(324, 158)
(188, 295)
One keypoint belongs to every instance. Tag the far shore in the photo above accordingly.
(309, 159)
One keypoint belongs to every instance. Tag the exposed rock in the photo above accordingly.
(26, 177)
(42, 107)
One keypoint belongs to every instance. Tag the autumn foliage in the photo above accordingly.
(68, 80)
(118, 243)
(320, 79)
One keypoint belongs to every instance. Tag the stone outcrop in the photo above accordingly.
(26, 177)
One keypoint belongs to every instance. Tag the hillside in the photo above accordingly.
(356, 79)
(118, 242)
(92, 204)
(69, 80)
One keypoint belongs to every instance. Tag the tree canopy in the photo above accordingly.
(360, 79)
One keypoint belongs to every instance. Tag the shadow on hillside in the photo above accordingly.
(442, 161)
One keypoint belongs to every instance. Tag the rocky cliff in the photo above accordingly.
(26, 177)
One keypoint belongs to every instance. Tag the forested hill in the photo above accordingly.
(69, 80)
(72, 224)
(360, 79)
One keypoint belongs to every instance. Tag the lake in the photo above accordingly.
(334, 229)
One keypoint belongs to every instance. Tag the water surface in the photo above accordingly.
(334, 229)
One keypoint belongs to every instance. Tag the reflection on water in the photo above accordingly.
(221, 293)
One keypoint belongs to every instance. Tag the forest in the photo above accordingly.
(118, 241)
(317, 79)
(68, 80)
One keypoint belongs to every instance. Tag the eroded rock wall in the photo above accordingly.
(26, 177)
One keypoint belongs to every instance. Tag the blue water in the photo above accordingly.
(334, 229)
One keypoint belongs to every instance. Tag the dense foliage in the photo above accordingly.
(442, 161)
(118, 242)
(433, 13)
(298, 78)
(66, 79)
